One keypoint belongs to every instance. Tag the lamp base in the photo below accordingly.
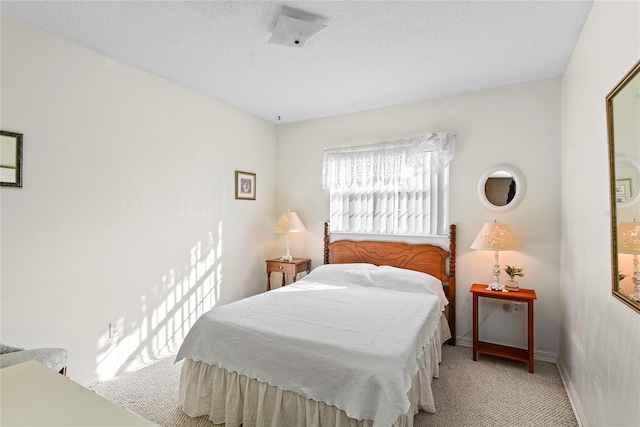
(287, 253)
(635, 296)
(496, 286)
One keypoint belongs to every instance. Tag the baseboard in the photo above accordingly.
(132, 364)
(87, 382)
(464, 342)
(572, 394)
(543, 356)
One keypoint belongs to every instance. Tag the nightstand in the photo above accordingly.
(293, 267)
(523, 295)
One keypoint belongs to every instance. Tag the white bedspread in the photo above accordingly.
(349, 336)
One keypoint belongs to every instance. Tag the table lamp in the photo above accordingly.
(629, 243)
(496, 237)
(288, 223)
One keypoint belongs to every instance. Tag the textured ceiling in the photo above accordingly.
(372, 53)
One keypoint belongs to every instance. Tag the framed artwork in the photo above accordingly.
(10, 159)
(623, 189)
(245, 185)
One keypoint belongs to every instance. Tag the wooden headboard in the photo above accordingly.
(426, 258)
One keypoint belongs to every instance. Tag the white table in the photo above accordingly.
(33, 395)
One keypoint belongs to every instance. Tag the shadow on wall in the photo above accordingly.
(167, 312)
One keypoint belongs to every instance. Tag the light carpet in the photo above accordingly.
(489, 392)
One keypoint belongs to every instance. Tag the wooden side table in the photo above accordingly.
(293, 267)
(523, 295)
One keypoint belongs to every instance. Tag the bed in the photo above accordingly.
(354, 343)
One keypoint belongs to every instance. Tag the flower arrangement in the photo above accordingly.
(513, 271)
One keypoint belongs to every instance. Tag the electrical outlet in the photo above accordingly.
(517, 308)
(114, 329)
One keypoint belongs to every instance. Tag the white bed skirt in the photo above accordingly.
(232, 399)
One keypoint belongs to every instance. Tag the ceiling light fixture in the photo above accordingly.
(294, 32)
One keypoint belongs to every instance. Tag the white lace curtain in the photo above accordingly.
(399, 187)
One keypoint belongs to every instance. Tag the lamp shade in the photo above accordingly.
(629, 238)
(496, 237)
(289, 223)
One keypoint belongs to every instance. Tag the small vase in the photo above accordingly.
(512, 285)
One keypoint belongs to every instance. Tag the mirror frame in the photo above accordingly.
(615, 285)
(520, 188)
(18, 159)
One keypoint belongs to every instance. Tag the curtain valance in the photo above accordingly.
(386, 162)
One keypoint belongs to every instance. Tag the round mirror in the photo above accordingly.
(627, 178)
(501, 188)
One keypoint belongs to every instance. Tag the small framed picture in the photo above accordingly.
(623, 189)
(245, 185)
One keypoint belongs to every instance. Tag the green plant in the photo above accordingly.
(513, 271)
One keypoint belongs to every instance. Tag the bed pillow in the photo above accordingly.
(401, 279)
(358, 273)
(383, 276)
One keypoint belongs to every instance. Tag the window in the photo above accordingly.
(400, 187)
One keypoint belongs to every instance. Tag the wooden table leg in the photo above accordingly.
(475, 326)
(268, 280)
(530, 333)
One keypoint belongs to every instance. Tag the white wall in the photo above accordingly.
(127, 211)
(600, 336)
(518, 125)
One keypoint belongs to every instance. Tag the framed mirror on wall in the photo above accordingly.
(623, 129)
(501, 188)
